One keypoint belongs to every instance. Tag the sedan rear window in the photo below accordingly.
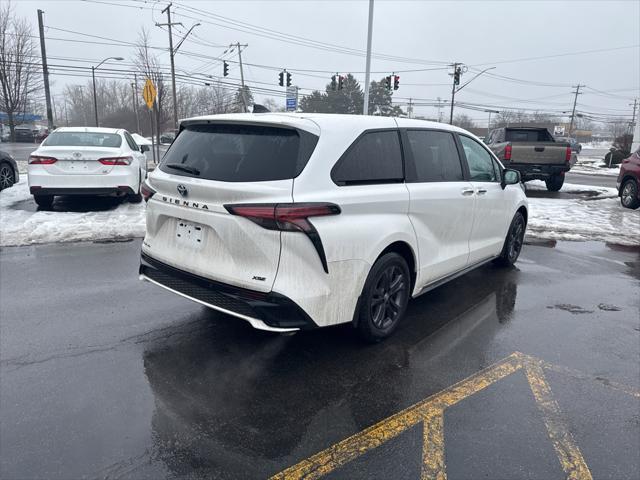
(83, 139)
(239, 153)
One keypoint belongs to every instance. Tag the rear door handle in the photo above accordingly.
(481, 191)
(467, 191)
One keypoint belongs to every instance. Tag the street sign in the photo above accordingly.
(292, 98)
(149, 93)
(558, 130)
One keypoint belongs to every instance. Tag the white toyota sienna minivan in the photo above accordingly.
(296, 221)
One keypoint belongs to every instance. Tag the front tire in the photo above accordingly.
(629, 194)
(44, 201)
(554, 183)
(384, 298)
(7, 176)
(513, 243)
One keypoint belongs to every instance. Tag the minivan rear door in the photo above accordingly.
(208, 168)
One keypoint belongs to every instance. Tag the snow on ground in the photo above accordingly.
(594, 165)
(578, 212)
(595, 214)
(599, 145)
(21, 224)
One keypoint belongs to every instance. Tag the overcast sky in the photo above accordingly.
(426, 34)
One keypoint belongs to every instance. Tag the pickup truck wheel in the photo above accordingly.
(554, 183)
(629, 194)
(384, 298)
(513, 243)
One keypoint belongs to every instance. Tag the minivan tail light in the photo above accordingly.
(116, 160)
(507, 152)
(146, 191)
(567, 155)
(38, 160)
(288, 217)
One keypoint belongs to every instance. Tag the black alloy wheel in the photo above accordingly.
(514, 241)
(7, 176)
(384, 298)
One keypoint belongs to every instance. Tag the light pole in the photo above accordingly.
(93, 76)
(489, 122)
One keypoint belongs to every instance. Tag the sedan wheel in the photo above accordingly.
(629, 195)
(7, 177)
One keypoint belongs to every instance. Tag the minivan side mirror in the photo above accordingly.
(144, 148)
(510, 177)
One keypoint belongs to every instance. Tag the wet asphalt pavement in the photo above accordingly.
(102, 376)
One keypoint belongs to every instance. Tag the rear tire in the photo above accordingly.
(7, 176)
(554, 183)
(629, 194)
(44, 201)
(513, 243)
(384, 298)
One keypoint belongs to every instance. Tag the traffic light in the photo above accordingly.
(340, 82)
(281, 79)
(396, 82)
(288, 79)
(387, 81)
(456, 76)
(225, 69)
(333, 82)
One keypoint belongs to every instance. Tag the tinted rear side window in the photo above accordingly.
(239, 153)
(375, 157)
(435, 156)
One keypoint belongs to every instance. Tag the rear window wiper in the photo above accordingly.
(184, 168)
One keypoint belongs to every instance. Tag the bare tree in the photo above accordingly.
(463, 121)
(19, 70)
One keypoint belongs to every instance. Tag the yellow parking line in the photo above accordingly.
(430, 412)
(568, 452)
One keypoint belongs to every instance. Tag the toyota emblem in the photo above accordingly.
(77, 154)
(182, 190)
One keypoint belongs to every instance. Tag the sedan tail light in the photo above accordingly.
(116, 160)
(507, 152)
(567, 155)
(146, 191)
(38, 160)
(288, 217)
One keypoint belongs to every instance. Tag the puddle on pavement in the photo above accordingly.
(575, 309)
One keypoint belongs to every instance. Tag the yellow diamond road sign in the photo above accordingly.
(149, 93)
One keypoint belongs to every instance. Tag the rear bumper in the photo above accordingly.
(265, 311)
(123, 190)
(538, 172)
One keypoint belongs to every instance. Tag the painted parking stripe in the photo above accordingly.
(430, 412)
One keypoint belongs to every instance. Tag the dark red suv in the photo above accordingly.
(629, 181)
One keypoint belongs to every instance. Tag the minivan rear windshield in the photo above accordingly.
(83, 139)
(239, 153)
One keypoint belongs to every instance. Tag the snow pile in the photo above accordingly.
(594, 165)
(579, 212)
(598, 217)
(21, 224)
(604, 144)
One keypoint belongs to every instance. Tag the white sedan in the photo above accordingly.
(87, 161)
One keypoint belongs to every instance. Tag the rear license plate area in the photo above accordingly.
(189, 234)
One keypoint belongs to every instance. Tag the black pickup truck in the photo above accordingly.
(533, 152)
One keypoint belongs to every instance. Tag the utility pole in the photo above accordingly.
(633, 118)
(457, 70)
(439, 110)
(45, 71)
(173, 68)
(243, 93)
(410, 108)
(573, 112)
(134, 87)
(367, 77)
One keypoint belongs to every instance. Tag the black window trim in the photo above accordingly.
(342, 158)
(411, 173)
(495, 162)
